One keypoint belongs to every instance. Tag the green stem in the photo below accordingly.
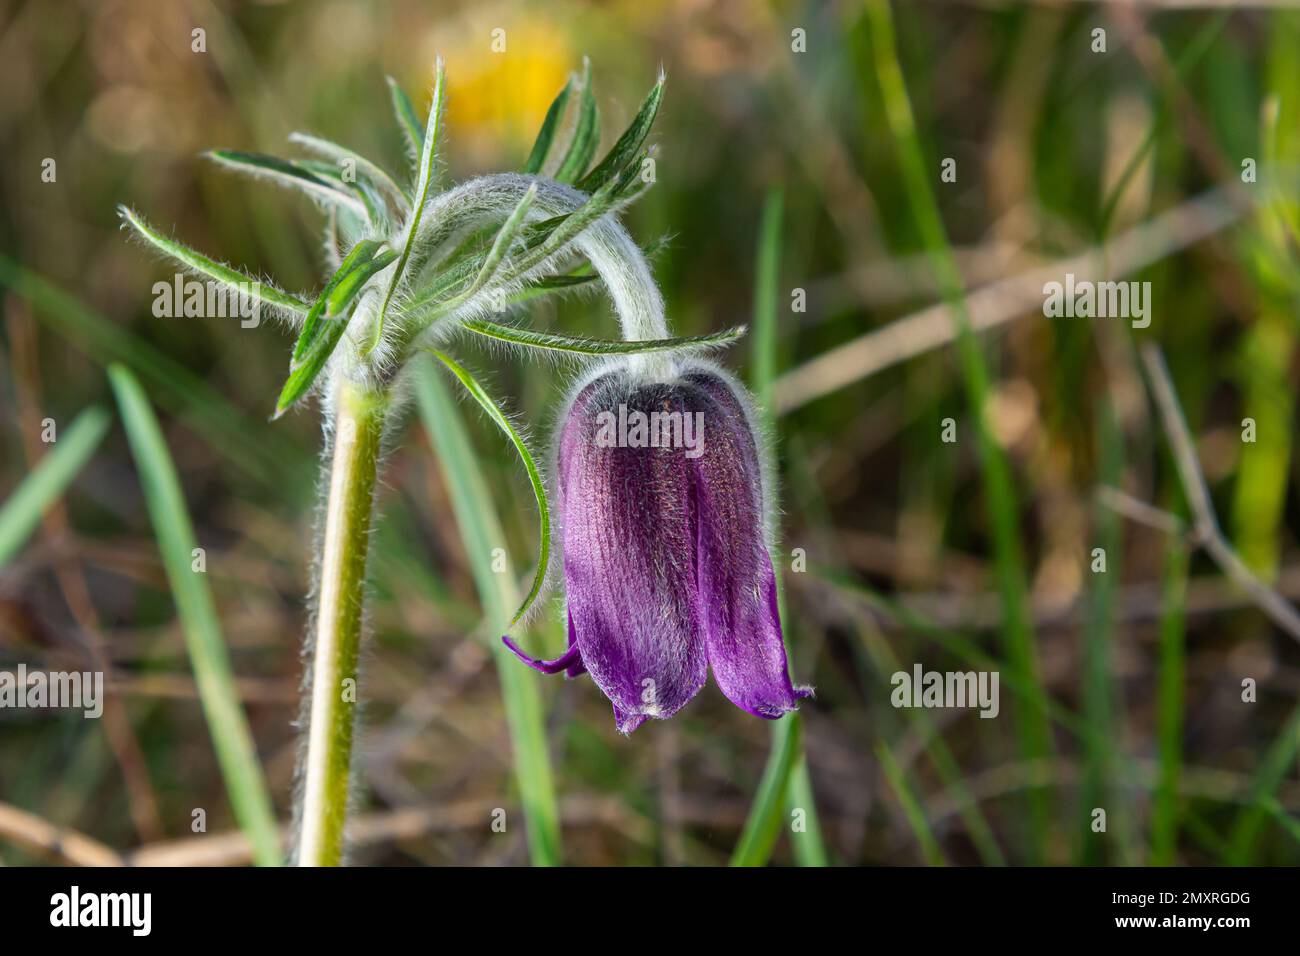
(358, 429)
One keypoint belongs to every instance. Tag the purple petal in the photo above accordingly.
(565, 661)
(737, 585)
(577, 668)
(629, 560)
(626, 723)
(747, 655)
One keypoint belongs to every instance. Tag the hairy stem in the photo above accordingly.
(358, 430)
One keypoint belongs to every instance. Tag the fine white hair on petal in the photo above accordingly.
(680, 366)
(763, 438)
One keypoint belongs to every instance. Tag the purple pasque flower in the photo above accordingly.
(663, 501)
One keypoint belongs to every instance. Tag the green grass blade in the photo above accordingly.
(546, 135)
(244, 443)
(586, 134)
(1169, 706)
(809, 844)
(1099, 700)
(1277, 763)
(21, 512)
(629, 144)
(284, 172)
(786, 765)
(1003, 512)
(766, 815)
(531, 338)
(767, 275)
(407, 119)
(977, 825)
(912, 809)
(530, 465)
(423, 187)
(1284, 819)
(480, 532)
(239, 281)
(227, 724)
(1186, 63)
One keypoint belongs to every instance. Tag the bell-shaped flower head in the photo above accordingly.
(667, 572)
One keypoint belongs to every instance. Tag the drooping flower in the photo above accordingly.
(666, 567)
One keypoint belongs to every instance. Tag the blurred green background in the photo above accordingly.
(1121, 690)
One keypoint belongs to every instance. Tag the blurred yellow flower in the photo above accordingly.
(502, 73)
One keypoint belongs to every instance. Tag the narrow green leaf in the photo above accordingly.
(765, 815)
(1101, 705)
(546, 135)
(1171, 679)
(766, 279)
(238, 281)
(885, 664)
(629, 144)
(566, 281)
(326, 321)
(1273, 769)
(372, 200)
(541, 240)
(544, 244)
(365, 259)
(586, 134)
(377, 175)
(1001, 502)
(912, 810)
(763, 825)
(501, 244)
(457, 270)
(491, 263)
(407, 118)
(424, 183)
(45, 483)
(287, 173)
(1187, 61)
(534, 476)
(333, 241)
(236, 754)
(548, 285)
(200, 406)
(480, 532)
(1279, 813)
(589, 346)
(303, 374)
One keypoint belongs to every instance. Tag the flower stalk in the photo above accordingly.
(349, 507)
(411, 268)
